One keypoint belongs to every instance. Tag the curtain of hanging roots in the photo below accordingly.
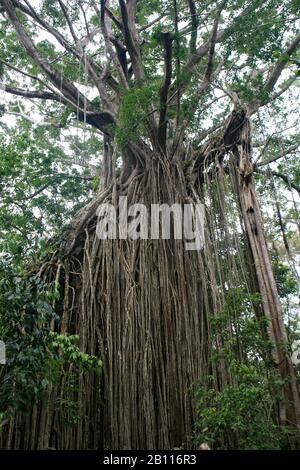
(143, 307)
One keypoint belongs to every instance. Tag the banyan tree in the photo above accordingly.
(173, 89)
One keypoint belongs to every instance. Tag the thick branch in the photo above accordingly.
(61, 83)
(118, 58)
(193, 59)
(287, 85)
(69, 22)
(194, 20)
(162, 129)
(177, 69)
(151, 23)
(281, 64)
(213, 41)
(273, 78)
(48, 27)
(29, 75)
(284, 178)
(44, 95)
(70, 92)
(53, 95)
(101, 120)
(76, 50)
(113, 18)
(277, 157)
(85, 19)
(129, 35)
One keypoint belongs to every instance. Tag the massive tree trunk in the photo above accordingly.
(143, 306)
(146, 303)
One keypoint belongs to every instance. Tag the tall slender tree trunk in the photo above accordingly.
(290, 405)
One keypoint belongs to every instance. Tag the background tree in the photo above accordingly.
(174, 95)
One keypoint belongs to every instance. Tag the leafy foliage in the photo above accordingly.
(37, 357)
(242, 415)
(133, 112)
(40, 187)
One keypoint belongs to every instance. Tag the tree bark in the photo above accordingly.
(251, 213)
